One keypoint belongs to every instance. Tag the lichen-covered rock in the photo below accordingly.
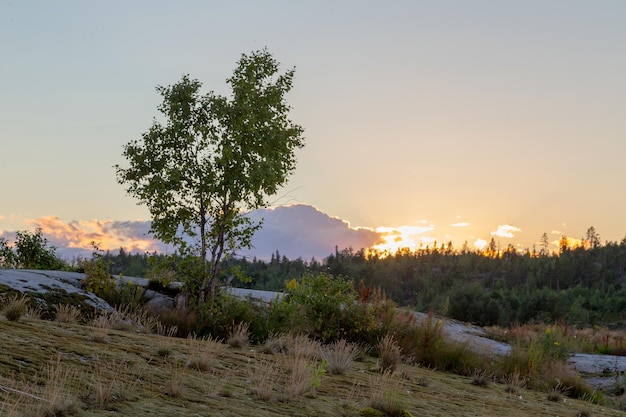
(48, 289)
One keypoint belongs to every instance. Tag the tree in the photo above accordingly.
(214, 159)
(592, 238)
(545, 244)
(33, 252)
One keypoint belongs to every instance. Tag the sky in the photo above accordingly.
(424, 121)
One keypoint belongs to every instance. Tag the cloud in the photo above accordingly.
(295, 231)
(77, 237)
(304, 231)
(480, 243)
(506, 230)
(460, 224)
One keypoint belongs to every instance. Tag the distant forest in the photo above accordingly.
(579, 285)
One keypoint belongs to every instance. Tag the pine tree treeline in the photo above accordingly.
(579, 286)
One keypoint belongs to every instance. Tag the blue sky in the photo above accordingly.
(446, 120)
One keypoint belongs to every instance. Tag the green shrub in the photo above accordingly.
(97, 278)
(7, 257)
(32, 252)
(326, 308)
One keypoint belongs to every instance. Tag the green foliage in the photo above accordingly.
(214, 159)
(324, 307)
(219, 319)
(317, 372)
(128, 294)
(552, 344)
(31, 251)
(7, 257)
(97, 278)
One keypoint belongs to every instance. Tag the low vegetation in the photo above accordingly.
(252, 359)
(66, 373)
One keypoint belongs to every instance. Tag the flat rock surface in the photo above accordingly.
(25, 280)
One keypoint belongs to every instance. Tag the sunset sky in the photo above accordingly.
(440, 120)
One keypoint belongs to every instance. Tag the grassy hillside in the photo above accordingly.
(55, 369)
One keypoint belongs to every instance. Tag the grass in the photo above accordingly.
(16, 308)
(339, 357)
(67, 314)
(62, 364)
(202, 352)
(389, 353)
(239, 336)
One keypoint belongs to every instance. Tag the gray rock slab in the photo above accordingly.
(36, 281)
(265, 296)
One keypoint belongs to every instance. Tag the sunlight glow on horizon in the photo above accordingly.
(134, 236)
(403, 237)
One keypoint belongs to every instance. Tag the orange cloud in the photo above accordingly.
(460, 224)
(106, 234)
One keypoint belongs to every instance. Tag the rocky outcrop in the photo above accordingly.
(48, 286)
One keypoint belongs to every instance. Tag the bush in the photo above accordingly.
(7, 257)
(97, 278)
(326, 308)
(31, 251)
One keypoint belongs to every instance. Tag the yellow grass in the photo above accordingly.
(42, 362)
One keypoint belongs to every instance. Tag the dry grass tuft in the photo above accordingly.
(302, 345)
(514, 382)
(263, 376)
(300, 379)
(275, 343)
(557, 392)
(67, 314)
(99, 335)
(134, 319)
(339, 357)
(387, 395)
(239, 336)
(99, 326)
(203, 353)
(110, 382)
(163, 330)
(480, 378)
(175, 380)
(33, 313)
(389, 353)
(15, 308)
